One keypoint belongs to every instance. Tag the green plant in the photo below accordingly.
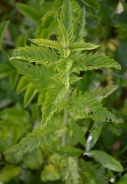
(51, 71)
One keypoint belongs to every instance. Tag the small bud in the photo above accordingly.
(112, 180)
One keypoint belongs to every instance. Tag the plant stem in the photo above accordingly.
(65, 121)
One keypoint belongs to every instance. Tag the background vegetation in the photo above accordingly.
(106, 25)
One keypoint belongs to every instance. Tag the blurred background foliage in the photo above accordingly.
(106, 25)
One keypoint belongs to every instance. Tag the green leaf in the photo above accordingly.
(66, 17)
(63, 67)
(40, 55)
(53, 101)
(82, 46)
(123, 179)
(46, 136)
(81, 27)
(92, 173)
(47, 43)
(70, 171)
(105, 160)
(92, 138)
(14, 78)
(78, 134)
(29, 95)
(9, 172)
(50, 172)
(94, 61)
(28, 11)
(22, 84)
(34, 159)
(3, 26)
(21, 41)
(37, 75)
(85, 106)
(92, 3)
(67, 151)
(100, 93)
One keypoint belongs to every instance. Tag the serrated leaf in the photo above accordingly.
(70, 171)
(82, 46)
(47, 43)
(22, 84)
(100, 93)
(37, 75)
(40, 55)
(28, 11)
(105, 160)
(94, 61)
(3, 26)
(81, 28)
(29, 94)
(63, 66)
(53, 101)
(66, 17)
(67, 151)
(78, 134)
(85, 106)
(46, 136)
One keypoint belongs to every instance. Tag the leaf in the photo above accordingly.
(3, 26)
(85, 106)
(92, 138)
(50, 172)
(46, 136)
(121, 54)
(78, 134)
(40, 55)
(70, 171)
(34, 159)
(74, 79)
(81, 27)
(92, 3)
(92, 173)
(37, 75)
(29, 95)
(28, 11)
(105, 160)
(66, 17)
(67, 151)
(82, 46)
(47, 43)
(14, 78)
(94, 61)
(123, 179)
(22, 84)
(63, 66)
(9, 172)
(53, 101)
(21, 41)
(100, 93)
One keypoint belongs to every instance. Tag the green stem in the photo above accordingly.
(65, 121)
